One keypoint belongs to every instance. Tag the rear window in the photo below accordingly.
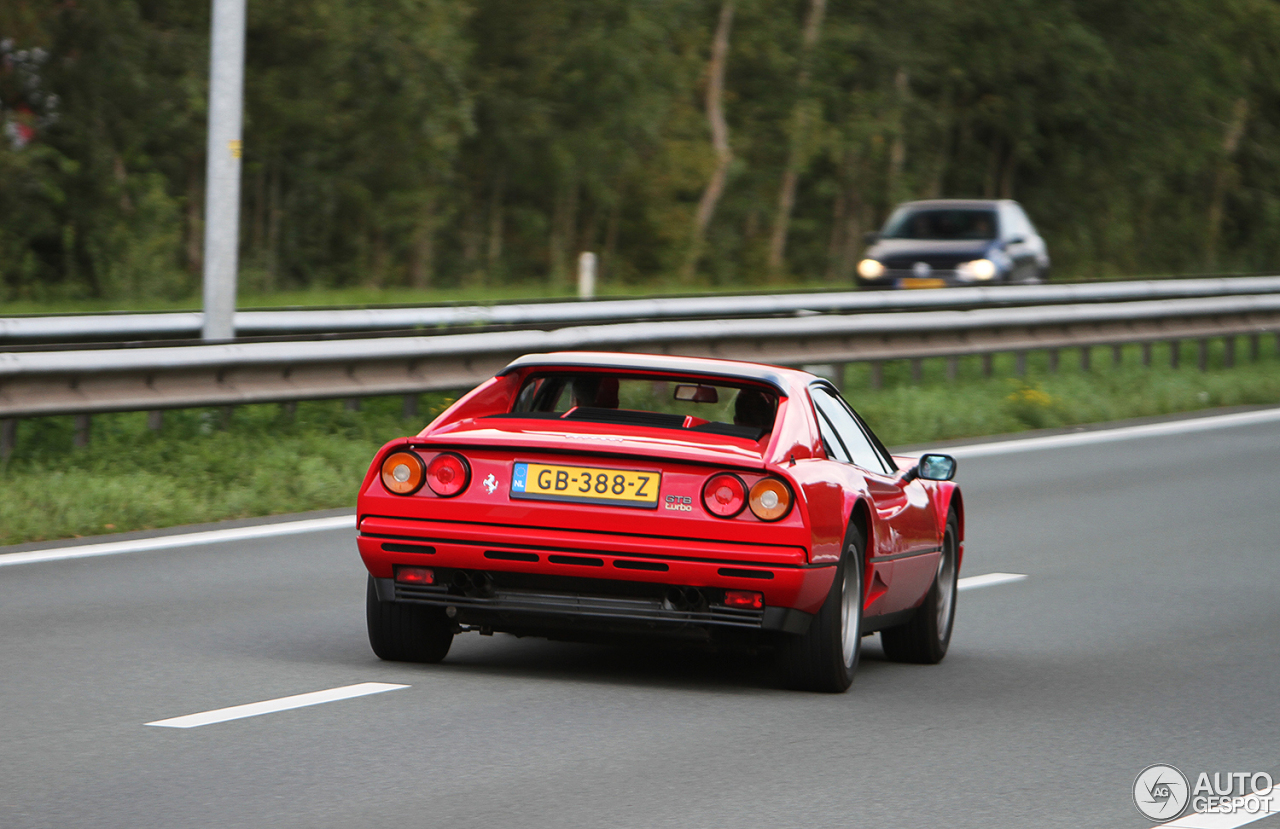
(698, 404)
(941, 224)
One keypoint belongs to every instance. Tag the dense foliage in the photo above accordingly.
(486, 142)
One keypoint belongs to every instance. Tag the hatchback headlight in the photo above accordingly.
(870, 269)
(979, 269)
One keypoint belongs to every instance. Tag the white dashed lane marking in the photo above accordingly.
(1204, 820)
(271, 706)
(988, 580)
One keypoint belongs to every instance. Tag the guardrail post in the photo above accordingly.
(1117, 355)
(1175, 353)
(953, 367)
(352, 404)
(289, 409)
(988, 364)
(917, 370)
(155, 419)
(1202, 354)
(1253, 348)
(225, 420)
(8, 438)
(877, 374)
(410, 406)
(84, 423)
(1021, 363)
(587, 275)
(1086, 358)
(1229, 351)
(1053, 361)
(1146, 355)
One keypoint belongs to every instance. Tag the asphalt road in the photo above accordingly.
(1148, 630)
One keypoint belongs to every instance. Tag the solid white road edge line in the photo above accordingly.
(1206, 820)
(1176, 427)
(988, 580)
(254, 709)
(114, 548)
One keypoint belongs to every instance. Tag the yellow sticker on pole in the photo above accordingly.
(235, 147)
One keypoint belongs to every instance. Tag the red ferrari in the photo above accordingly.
(592, 496)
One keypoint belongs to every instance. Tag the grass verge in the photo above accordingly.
(264, 461)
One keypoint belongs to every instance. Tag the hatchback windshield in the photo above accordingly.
(941, 224)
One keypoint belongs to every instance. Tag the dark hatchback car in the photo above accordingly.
(945, 242)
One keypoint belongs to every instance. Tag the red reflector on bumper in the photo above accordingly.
(744, 598)
(415, 575)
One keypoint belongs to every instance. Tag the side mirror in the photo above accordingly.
(937, 467)
(930, 468)
(871, 238)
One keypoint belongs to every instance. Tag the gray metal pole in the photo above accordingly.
(222, 177)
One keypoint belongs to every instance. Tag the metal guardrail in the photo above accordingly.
(122, 327)
(104, 380)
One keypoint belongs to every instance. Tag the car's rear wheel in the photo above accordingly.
(826, 656)
(403, 632)
(925, 639)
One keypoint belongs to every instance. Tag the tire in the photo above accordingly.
(403, 632)
(924, 639)
(826, 656)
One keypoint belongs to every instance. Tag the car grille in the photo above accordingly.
(906, 263)
(909, 273)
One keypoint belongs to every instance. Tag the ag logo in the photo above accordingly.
(1161, 792)
(490, 483)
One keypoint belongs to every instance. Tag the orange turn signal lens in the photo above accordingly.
(770, 499)
(403, 473)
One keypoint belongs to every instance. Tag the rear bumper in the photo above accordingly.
(779, 572)
(539, 610)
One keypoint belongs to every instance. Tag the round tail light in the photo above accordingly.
(724, 495)
(448, 474)
(770, 499)
(403, 473)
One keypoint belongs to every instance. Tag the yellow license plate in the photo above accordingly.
(586, 484)
(912, 282)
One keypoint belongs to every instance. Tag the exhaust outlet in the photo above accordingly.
(683, 598)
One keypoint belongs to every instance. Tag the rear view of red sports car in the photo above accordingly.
(592, 496)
